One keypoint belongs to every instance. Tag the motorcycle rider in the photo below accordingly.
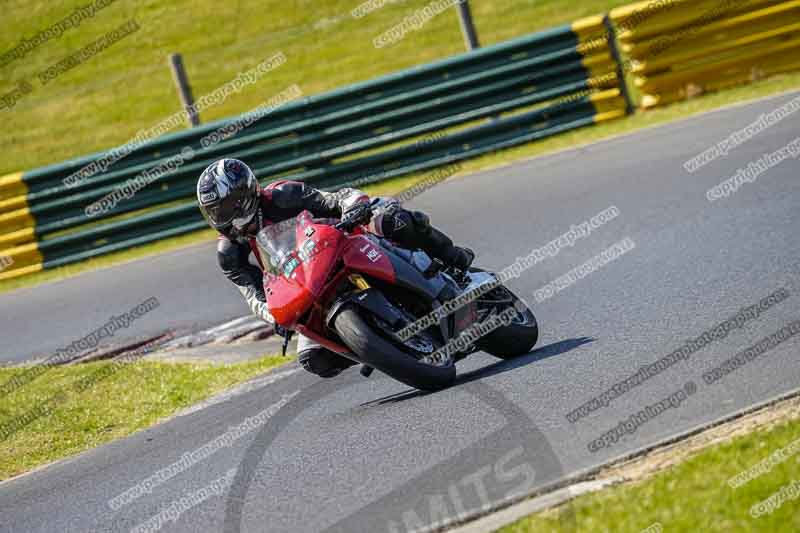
(233, 203)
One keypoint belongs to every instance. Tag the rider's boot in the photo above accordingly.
(438, 245)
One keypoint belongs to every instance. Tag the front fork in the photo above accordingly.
(463, 317)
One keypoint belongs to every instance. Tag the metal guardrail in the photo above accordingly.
(682, 48)
(532, 87)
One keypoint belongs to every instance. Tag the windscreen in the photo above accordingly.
(276, 244)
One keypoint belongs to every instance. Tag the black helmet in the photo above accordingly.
(228, 194)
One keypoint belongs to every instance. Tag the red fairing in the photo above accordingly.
(307, 283)
(314, 272)
(289, 298)
(362, 255)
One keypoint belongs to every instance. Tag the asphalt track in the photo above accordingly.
(354, 454)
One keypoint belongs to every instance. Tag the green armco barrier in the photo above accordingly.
(499, 83)
(454, 145)
(561, 41)
(340, 124)
(104, 249)
(118, 232)
(531, 87)
(67, 211)
(506, 133)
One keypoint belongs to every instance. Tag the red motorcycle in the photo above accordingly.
(386, 307)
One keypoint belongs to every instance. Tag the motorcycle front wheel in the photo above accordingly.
(515, 339)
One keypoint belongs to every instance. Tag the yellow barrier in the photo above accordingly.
(16, 220)
(727, 75)
(22, 256)
(696, 35)
(645, 20)
(15, 238)
(12, 204)
(608, 104)
(17, 272)
(596, 42)
(11, 185)
(589, 27)
(679, 49)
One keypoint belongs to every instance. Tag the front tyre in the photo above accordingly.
(374, 350)
(515, 339)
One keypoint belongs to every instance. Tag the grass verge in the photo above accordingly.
(130, 397)
(687, 488)
(599, 132)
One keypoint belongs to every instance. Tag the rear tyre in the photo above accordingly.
(375, 351)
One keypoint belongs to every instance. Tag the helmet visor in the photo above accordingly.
(219, 214)
(245, 213)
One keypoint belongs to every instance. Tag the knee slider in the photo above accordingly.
(399, 225)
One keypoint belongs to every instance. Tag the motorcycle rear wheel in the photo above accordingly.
(374, 350)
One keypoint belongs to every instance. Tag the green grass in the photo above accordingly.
(133, 397)
(692, 496)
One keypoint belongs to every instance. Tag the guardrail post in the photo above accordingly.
(467, 26)
(617, 57)
(184, 89)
